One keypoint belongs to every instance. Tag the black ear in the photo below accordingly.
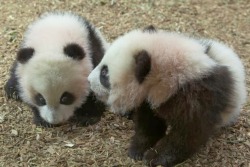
(142, 65)
(149, 29)
(24, 54)
(74, 51)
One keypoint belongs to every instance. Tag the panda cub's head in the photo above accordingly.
(53, 64)
(149, 65)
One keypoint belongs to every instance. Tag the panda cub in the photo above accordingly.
(50, 73)
(180, 89)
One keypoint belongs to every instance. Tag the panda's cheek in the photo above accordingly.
(95, 87)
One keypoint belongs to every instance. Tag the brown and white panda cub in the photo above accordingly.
(50, 73)
(170, 80)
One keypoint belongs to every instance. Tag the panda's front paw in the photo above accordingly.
(150, 156)
(135, 153)
(86, 121)
(11, 91)
(40, 122)
(139, 145)
(153, 157)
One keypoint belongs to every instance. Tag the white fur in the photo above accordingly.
(175, 59)
(50, 72)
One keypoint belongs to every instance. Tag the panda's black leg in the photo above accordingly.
(148, 130)
(37, 119)
(89, 113)
(180, 144)
(11, 87)
(193, 113)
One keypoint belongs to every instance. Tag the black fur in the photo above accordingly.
(192, 113)
(143, 65)
(90, 112)
(208, 48)
(148, 130)
(24, 54)
(150, 29)
(74, 51)
(39, 100)
(11, 87)
(104, 76)
(95, 45)
(67, 98)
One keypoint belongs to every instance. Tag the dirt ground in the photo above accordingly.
(106, 143)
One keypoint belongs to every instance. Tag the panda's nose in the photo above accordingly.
(90, 77)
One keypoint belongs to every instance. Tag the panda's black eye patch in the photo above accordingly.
(67, 98)
(24, 54)
(104, 77)
(74, 51)
(39, 99)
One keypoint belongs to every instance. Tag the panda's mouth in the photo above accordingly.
(100, 93)
(103, 97)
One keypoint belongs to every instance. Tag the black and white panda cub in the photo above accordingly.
(171, 81)
(50, 73)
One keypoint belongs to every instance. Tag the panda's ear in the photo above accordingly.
(142, 65)
(74, 51)
(24, 54)
(149, 29)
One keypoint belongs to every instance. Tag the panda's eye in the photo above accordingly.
(40, 101)
(104, 77)
(104, 71)
(67, 98)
